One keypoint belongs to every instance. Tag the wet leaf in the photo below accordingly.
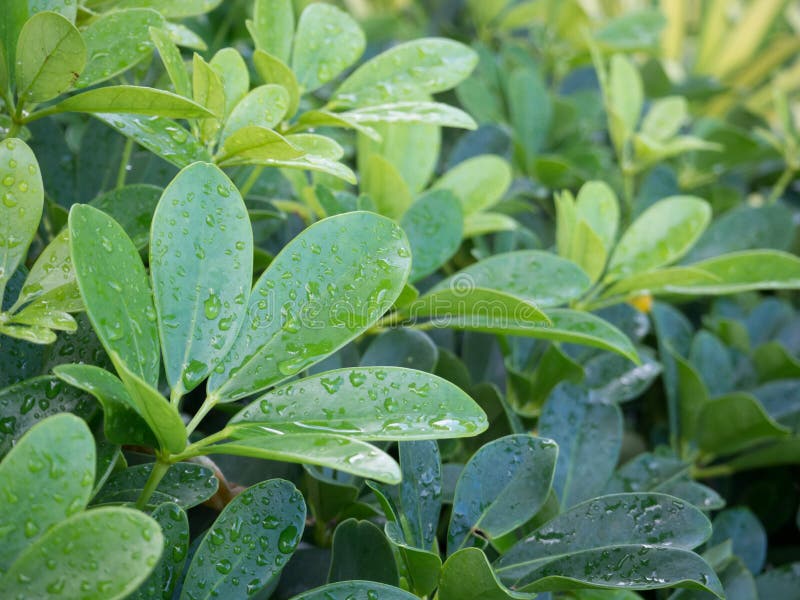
(132, 99)
(185, 484)
(132, 206)
(747, 534)
(254, 144)
(28, 402)
(433, 113)
(87, 555)
(467, 575)
(274, 70)
(272, 27)
(438, 64)
(116, 41)
(744, 271)
(47, 477)
(175, 528)
(201, 264)
(502, 486)
(401, 347)
(327, 41)
(370, 403)
(21, 202)
(265, 523)
(207, 90)
(356, 590)
(115, 290)
(589, 438)
(264, 106)
(325, 450)
(173, 61)
(326, 265)
(232, 71)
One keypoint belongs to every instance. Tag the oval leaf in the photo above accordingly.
(434, 225)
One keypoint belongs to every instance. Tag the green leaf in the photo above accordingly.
(421, 567)
(588, 251)
(746, 532)
(470, 307)
(13, 15)
(401, 347)
(653, 525)
(65, 560)
(173, 61)
(274, 70)
(661, 281)
(162, 417)
(433, 113)
(589, 438)
(434, 225)
(370, 403)
(265, 106)
(660, 236)
(175, 528)
(173, 9)
(232, 71)
(438, 65)
(47, 477)
(631, 30)
(201, 281)
(185, 484)
(24, 404)
(116, 41)
(356, 590)
(745, 228)
(132, 99)
(21, 202)
(208, 91)
(272, 514)
(487, 496)
(122, 423)
(327, 41)
(272, 27)
(312, 119)
(115, 290)
(483, 223)
(361, 551)
(50, 56)
(745, 424)
(253, 144)
(325, 450)
(52, 270)
(665, 118)
(549, 280)
(746, 271)
(479, 182)
(385, 186)
(354, 264)
(467, 575)
(612, 378)
(530, 110)
(132, 206)
(780, 582)
(163, 137)
(625, 98)
(598, 206)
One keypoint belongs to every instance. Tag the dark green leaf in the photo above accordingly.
(185, 484)
(746, 532)
(248, 544)
(132, 206)
(401, 347)
(356, 590)
(362, 552)
(175, 529)
(434, 226)
(467, 575)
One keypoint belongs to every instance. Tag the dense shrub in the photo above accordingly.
(384, 300)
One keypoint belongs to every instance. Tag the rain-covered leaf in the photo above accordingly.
(47, 477)
(254, 144)
(433, 113)
(132, 206)
(207, 90)
(467, 575)
(589, 438)
(248, 544)
(502, 486)
(401, 347)
(352, 266)
(612, 378)
(82, 557)
(275, 70)
(201, 281)
(272, 27)
(173, 61)
(21, 202)
(115, 290)
(750, 270)
(132, 99)
(356, 590)
(232, 71)
(424, 66)
(122, 423)
(116, 41)
(175, 528)
(185, 484)
(327, 41)
(746, 533)
(25, 403)
(264, 106)
(370, 403)
(50, 56)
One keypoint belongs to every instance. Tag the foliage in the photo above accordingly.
(501, 293)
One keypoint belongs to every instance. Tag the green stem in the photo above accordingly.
(199, 448)
(209, 403)
(122, 172)
(780, 185)
(251, 181)
(160, 469)
(709, 472)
